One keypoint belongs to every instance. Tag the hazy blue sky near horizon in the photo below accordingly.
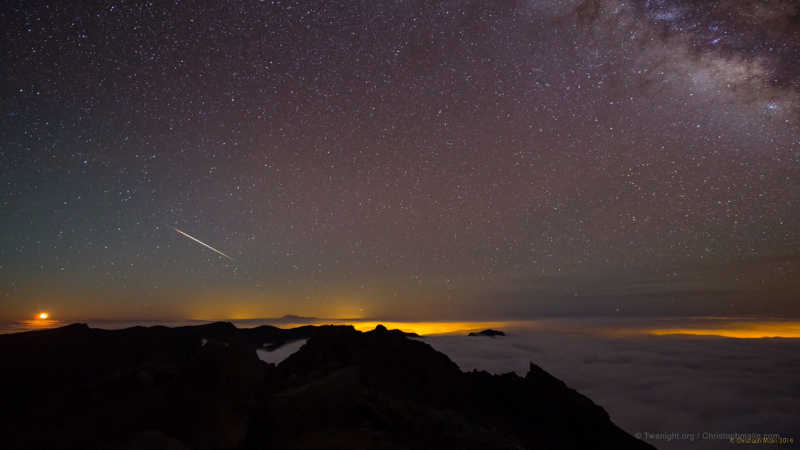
(403, 159)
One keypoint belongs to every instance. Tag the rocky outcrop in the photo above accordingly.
(204, 388)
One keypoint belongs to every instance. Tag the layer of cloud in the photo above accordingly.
(668, 384)
(280, 353)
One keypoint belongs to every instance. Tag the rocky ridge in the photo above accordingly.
(203, 387)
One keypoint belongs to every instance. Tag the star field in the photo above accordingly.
(401, 159)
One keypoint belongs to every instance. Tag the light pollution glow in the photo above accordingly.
(602, 327)
(740, 328)
(429, 328)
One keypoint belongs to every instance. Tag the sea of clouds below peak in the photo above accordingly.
(672, 384)
(691, 385)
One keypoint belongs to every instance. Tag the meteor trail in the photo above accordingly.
(202, 243)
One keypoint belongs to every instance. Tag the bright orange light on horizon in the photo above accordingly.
(421, 328)
(428, 328)
(44, 315)
(739, 329)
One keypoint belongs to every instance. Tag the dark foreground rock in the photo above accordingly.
(203, 387)
(490, 333)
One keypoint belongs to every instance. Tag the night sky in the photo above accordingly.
(400, 159)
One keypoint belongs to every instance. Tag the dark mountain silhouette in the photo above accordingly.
(203, 387)
(488, 332)
(287, 318)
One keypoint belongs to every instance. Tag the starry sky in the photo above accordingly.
(400, 159)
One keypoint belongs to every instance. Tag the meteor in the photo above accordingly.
(202, 243)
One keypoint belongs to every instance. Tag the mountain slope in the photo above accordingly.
(203, 387)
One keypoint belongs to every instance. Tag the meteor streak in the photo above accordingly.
(202, 243)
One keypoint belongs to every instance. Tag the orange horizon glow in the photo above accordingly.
(420, 328)
(725, 327)
(718, 327)
(429, 328)
(739, 330)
